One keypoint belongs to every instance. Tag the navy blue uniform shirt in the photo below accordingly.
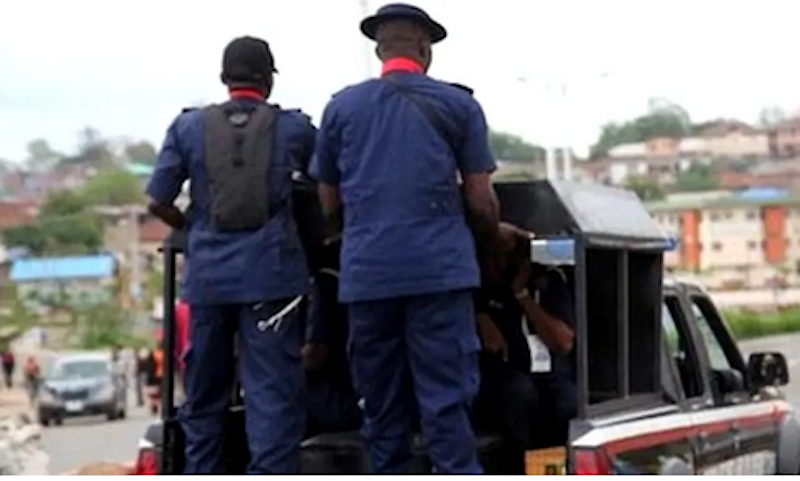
(405, 231)
(501, 306)
(242, 267)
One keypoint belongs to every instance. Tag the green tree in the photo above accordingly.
(143, 152)
(41, 156)
(102, 326)
(513, 148)
(697, 178)
(30, 237)
(664, 119)
(64, 227)
(93, 150)
(78, 234)
(114, 187)
(62, 204)
(645, 189)
(67, 235)
(661, 124)
(614, 134)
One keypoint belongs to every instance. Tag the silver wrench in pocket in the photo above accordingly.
(276, 319)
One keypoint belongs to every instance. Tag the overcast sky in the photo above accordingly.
(128, 67)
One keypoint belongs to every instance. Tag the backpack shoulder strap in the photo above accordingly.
(442, 126)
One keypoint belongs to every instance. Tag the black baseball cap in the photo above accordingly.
(247, 61)
(403, 11)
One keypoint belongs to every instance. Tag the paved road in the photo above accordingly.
(89, 440)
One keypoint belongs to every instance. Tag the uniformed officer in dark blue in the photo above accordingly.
(526, 320)
(331, 401)
(246, 268)
(388, 158)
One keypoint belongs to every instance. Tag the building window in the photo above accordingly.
(752, 245)
(716, 246)
(714, 217)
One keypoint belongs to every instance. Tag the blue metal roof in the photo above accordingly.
(140, 169)
(62, 268)
(762, 193)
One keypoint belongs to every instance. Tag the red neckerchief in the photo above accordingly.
(401, 64)
(248, 94)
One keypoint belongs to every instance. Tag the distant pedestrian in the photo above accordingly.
(9, 363)
(33, 376)
(120, 368)
(142, 358)
(152, 380)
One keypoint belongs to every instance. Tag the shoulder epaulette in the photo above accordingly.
(462, 87)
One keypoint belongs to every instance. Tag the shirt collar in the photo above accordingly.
(246, 94)
(401, 64)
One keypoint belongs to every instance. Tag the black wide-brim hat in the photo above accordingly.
(402, 11)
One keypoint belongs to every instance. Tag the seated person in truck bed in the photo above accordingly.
(524, 314)
(331, 402)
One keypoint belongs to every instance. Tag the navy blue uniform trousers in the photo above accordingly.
(272, 378)
(417, 351)
(532, 411)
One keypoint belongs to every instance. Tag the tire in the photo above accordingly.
(58, 421)
(122, 414)
(112, 415)
(44, 421)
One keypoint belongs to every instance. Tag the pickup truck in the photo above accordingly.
(662, 385)
(720, 414)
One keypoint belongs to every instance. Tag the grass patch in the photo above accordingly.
(751, 325)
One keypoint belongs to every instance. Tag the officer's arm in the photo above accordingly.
(554, 332)
(168, 177)
(331, 201)
(305, 201)
(477, 164)
(325, 169)
(315, 349)
(549, 319)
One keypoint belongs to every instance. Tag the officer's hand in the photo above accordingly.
(565, 337)
(315, 355)
(522, 234)
(493, 341)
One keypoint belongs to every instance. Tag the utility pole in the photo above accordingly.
(564, 135)
(136, 273)
(367, 47)
(550, 147)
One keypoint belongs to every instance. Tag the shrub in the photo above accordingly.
(749, 325)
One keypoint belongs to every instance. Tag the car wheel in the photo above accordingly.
(44, 421)
(112, 415)
(58, 421)
(122, 414)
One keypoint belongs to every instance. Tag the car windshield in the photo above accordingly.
(83, 369)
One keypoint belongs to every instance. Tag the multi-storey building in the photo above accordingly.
(785, 139)
(746, 239)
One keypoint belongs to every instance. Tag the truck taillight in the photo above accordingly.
(147, 462)
(591, 461)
